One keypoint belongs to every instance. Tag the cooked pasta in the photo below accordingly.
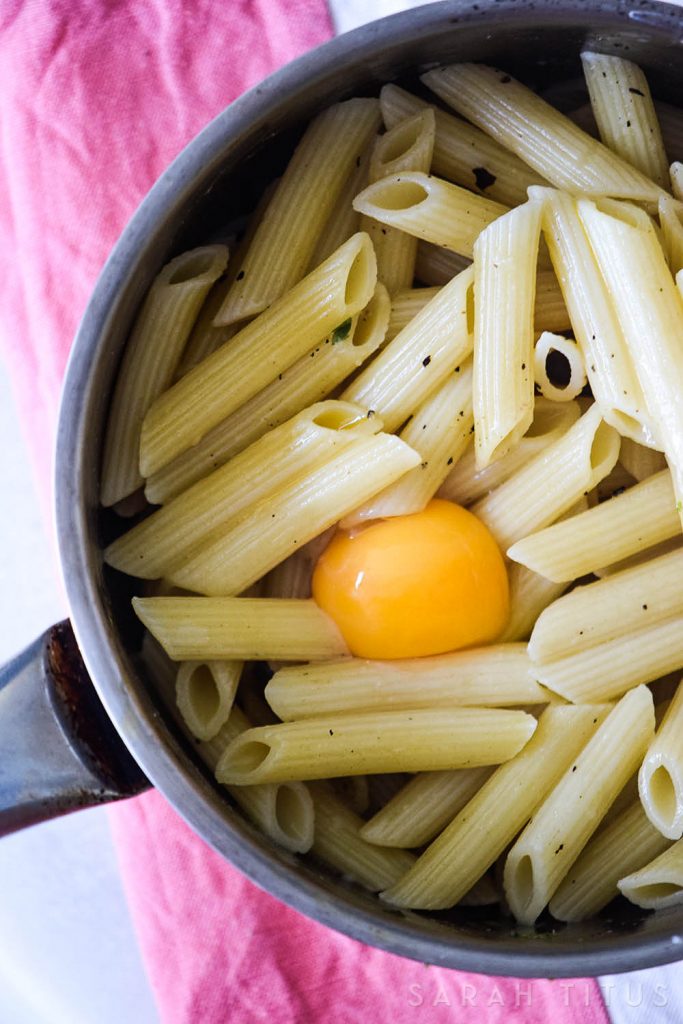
(650, 310)
(423, 807)
(660, 780)
(627, 843)
(408, 146)
(465, 483)
(302, 318)
(205, 691)
(660, 883)
(554, 480)
(628, 523)
(625, 114)
(429, 208)
(565, 821)
(553, 345)
(540, 135)
(302, 202)
(310, 379)
(493, 676)
(417, 740)
(248, 628)
(505, 258)
(418, 451)
(463, 153)
(152, 354)
(480, 832)
(439, 431)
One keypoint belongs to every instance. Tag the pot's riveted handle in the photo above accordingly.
(58, 749)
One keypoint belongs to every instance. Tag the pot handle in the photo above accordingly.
(59, 751)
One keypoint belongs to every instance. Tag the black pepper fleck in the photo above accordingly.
(426, 361)
(240, 276)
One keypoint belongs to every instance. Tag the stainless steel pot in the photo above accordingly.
(59, 747)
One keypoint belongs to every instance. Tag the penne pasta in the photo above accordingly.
(204, 337)
(627, 843)
(310, 379)
(671, 222)
(170, 535)
(551, 346)
(433, 345)
(423, 807)
(408, 146)
(659, 884)
(530, 593)
(609, 608)
(303, 200)
(650, 310)
(462, 153)
(676, 172)
(505, 258)
(405, 305)
(284, 811)
(255, 541)
(429, 208)
(561, 827)
(628, 523)
(465, 483)
(540, 135)
(625, 114)
(439, 431)
(245, 628)
(492, 676)
(610, 669)
(337, 842)
(660, 780)
(480, 832)
(205, 693)
(237, 371)
(152, 353)
(554, 480)
(343, 222)
(594, 319)
(417, 740)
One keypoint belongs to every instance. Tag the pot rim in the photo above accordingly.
(143, 730)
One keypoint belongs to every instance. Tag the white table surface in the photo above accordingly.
(68, 954)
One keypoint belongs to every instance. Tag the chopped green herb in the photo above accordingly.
(679, 506)
(342, 332)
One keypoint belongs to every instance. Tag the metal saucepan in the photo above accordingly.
(59, 748)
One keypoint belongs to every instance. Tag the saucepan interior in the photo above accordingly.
(214, 182)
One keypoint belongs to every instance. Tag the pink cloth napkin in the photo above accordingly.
(96, 100)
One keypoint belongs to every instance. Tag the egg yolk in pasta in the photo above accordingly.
(415, 585)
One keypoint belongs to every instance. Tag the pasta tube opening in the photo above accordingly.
(394, 194)
(246, 757)
(202, 692)
(656, 891)
(663, 792)
(399, 143)
(339, 416)
(196, 264)
(360, 276)
(373, 322)
(522, 881)
(293, 814)
(602, 454)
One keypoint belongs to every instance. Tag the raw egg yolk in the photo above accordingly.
(415, 585)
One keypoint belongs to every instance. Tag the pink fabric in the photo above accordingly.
(96, 99)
